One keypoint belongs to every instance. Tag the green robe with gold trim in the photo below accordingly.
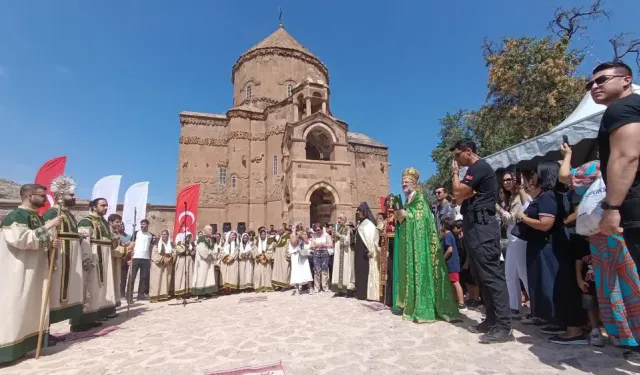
(23, 257)
(66, 297)
(422, 289)
(99, 293)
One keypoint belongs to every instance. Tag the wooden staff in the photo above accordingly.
(45, 304)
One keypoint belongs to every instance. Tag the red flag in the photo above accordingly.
(383, 208)
(186, 211)
(50, 170)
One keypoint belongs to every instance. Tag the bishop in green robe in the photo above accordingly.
(421, 286)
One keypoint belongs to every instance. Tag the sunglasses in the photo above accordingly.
(508, 180)
(600, 81)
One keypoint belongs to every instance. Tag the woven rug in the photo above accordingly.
(272, 369)
(376, 306)
(252, 299)
(96, 332)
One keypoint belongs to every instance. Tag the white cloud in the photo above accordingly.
(63, 70)
(3, 73)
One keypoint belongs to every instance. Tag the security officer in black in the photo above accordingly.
(479, 192)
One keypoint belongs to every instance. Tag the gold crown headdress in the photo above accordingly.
(62, 185)
(412, 174)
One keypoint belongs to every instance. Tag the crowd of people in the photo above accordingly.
(576, 285)
(512, 239)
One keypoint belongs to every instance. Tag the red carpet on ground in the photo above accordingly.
(96, 332)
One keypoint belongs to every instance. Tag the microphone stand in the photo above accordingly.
(186, 273)
(130, 269)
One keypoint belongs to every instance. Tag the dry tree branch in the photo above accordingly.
(623, 47)
(567, 22)
(488, 47)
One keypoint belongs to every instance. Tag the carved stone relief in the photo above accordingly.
(360, 149)
(257, 159)
(203, 121)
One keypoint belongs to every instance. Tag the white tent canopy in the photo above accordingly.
(581, 125)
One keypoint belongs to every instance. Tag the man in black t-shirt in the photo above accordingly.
(478, 192)
(619, 146)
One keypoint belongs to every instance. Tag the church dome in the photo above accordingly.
(266, 72)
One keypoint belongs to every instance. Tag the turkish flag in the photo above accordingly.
(50, 170)
(186, 212)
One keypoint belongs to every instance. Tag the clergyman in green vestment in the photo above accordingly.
(421, 286)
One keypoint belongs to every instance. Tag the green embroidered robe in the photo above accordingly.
(66, 297)
(99, 293)
(421, 280)
(23, 255)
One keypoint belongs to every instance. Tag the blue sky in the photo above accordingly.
(103, 81)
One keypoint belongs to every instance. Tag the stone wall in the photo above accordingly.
(160, 216)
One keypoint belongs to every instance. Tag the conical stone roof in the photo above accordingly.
(280, 39)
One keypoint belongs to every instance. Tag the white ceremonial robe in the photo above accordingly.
(342, 275)
(100, 301)
(229, 264)
(160, 273)
(23, 251)
(183, 271)
(371, 238)
(66, 294)
(262, 267)
(300, 269)
(281, 265)
(245, 265)
(117, 257)
(204, 280)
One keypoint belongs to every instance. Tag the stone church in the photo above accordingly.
(280, 154)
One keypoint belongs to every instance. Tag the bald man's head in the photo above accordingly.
(208, 230)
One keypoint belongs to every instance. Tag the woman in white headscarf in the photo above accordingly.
(245, 263)
(262, 267)
(229, 264)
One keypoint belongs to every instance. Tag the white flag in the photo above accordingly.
(108, 188)
(135, 204)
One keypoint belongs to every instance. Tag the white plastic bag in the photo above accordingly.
(589, 210)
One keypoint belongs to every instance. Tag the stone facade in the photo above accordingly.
(279, 155)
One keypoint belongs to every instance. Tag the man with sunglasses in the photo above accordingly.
(619, 147)
(478, 192)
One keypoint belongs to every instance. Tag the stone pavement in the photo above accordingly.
(311, 335)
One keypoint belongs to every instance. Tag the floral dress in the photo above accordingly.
(616, 275)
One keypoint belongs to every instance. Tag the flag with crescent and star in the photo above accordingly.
(186, 211)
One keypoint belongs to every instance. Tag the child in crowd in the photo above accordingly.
(450, 249)
(587, 283)
(473, 290)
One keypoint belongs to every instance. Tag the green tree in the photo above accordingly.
(532, 87)
(453, 127)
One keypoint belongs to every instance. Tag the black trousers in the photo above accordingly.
(144, 266)
(482, 242)
(123, 278)
(632, 239)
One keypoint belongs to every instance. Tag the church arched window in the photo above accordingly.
(222, 176)
(248, 92)
(275, 165)
(289, 90)
(233, 181)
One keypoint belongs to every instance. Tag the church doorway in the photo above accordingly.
(322, 206)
